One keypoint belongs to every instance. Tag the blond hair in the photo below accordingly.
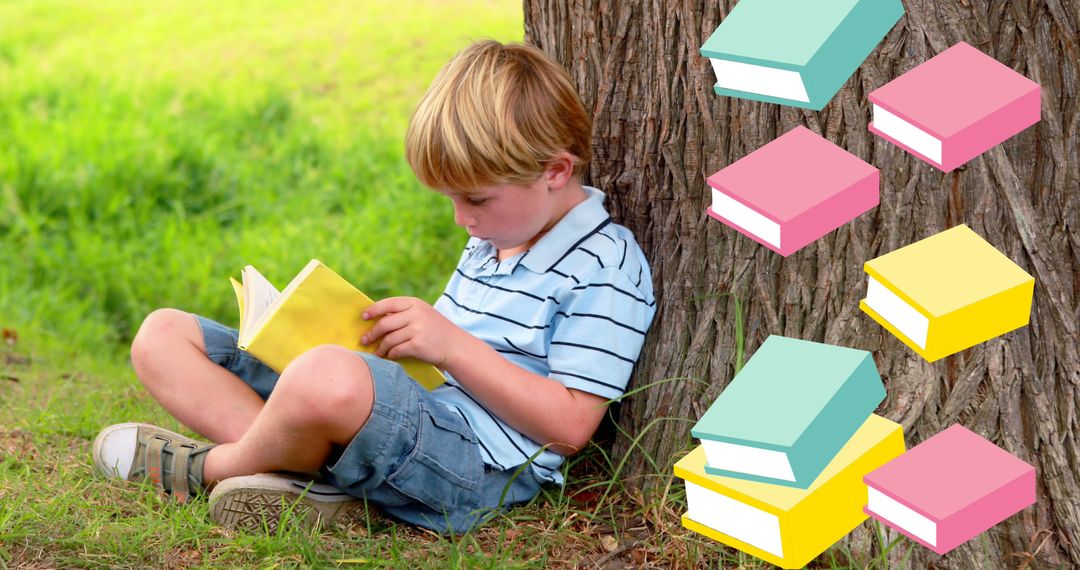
(496, 114)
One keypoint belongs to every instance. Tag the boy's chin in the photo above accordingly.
(501, 244)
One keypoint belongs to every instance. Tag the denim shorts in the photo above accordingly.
(415, 458)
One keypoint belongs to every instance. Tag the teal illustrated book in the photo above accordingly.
(789, 411)
(796, 52)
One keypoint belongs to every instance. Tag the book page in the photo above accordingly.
(902, 516)
(259, 295)
(746, 218)
(907, 319)
(317, 307)
(919, 140)
(771, 81)
(734, 518)
(748, 459)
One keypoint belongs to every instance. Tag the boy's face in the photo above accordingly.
(510, 216)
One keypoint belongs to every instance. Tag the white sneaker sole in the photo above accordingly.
(259, 503)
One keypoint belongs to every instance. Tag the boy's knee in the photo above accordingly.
(328, 385)
(162, 330)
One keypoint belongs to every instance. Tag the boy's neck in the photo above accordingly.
(571, 195)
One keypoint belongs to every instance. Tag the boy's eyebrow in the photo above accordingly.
(464, 193)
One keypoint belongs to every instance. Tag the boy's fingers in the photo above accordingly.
(401, 350)
(391, 343)
(386, 306)
(387, 324)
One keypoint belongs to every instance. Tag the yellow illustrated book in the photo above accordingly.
(784, 525)
(317, 307)
(946, 293)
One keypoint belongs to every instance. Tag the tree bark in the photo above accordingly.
(660, 131)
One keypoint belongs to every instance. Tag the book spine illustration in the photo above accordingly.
(831, 213)
(987, 512)
(849, 45)
(992, 130)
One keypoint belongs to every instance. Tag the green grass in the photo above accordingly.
(55, 513)
(149, 151)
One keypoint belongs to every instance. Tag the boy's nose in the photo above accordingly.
(463, 219)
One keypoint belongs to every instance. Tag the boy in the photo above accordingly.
(540, 325)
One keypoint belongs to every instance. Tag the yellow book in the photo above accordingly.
(317, 307)
(947, 293)
(784, 525)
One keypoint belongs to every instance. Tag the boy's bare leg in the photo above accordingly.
(170, 359)
(323, 398)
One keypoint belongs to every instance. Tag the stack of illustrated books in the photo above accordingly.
(784, 449)
(791, 456)
(792, 459)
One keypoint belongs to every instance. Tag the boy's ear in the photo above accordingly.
(559, 170)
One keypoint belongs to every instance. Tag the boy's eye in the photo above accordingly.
(476, 201)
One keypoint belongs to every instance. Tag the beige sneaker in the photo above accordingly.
(136, 452)
(262, 502)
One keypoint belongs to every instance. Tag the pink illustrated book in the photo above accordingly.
(954, 107)
(949, 488)
(793, 190)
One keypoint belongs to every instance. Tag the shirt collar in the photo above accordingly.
(580, 222)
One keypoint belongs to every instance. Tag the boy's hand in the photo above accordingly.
(410, 327)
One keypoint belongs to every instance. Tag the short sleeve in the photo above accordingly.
(597, 333)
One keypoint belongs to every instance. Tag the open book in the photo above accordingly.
(317, 307)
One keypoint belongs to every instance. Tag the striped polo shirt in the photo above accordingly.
(573, 308)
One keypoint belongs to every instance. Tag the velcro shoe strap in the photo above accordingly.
(180, 469)
(154, 464)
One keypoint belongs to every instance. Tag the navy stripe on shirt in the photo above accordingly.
(606, 318)
(580, 241)
(485, 284)
(587, 379)
(522, 351)
(483, 447)
(597, 257)
(587, 347)
(624, 292)
(561, 274)
(500, 317)
(609, 238)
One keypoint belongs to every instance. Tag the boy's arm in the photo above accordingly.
(537, 406)
(541, 408)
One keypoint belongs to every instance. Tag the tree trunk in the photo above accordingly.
(660, 131)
